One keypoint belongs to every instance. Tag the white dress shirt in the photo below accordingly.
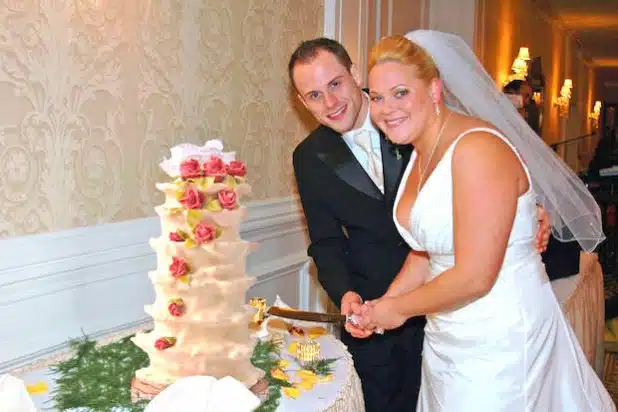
(360, 153)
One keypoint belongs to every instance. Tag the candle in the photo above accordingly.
(308, 351)
(260, 304)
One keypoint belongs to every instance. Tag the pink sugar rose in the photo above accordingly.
(190, 169)
(164, 343)
(204, 232)
(216, 168)
(176, 307)
(227, 198)
(176, 237)
(192, 198)
(178, 268)
(236, 168)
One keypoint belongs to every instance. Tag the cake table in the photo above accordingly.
(342, 394)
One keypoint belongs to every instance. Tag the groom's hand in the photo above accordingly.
(351, 303)
(542, 236)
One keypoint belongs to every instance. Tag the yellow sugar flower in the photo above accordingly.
(307, 384)
(292, 348)
(283, 363)
(37, 388)
(305, 374)
(291, 392)
(279, 374)
(326, 378)
(316, 332)
(308, 379)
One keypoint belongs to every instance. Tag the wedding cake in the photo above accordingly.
(199, 312)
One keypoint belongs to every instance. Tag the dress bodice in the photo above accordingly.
(512, 349)
(430, 227)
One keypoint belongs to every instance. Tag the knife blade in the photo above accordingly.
(306, 315)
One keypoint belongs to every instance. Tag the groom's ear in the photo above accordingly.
(356, 75)
(302, 100)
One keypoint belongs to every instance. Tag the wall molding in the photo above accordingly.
(332, 19)
(93, 280)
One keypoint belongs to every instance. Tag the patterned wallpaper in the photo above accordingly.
(94, 92)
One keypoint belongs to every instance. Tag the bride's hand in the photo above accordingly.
(382, 313)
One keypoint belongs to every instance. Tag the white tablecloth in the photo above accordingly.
(583, 302)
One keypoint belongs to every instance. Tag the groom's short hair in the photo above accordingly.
(308, 50)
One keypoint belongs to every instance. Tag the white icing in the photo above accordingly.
(212, 335)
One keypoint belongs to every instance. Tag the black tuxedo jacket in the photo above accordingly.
(354, 241)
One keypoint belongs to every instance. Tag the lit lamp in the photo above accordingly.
(519, 68)
(564, 99)
(595, 113)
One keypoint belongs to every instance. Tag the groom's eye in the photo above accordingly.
(334, 84)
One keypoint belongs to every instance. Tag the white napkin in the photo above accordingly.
(204, 394)
(13, 395)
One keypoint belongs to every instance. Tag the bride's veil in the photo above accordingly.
(468, 89)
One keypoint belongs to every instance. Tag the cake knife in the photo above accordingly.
(314, 316)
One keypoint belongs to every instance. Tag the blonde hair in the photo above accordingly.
(399, 49)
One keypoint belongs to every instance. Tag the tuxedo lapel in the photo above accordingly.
(392, 165)
(336, 154)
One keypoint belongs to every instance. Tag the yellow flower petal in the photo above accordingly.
(173, 210)
(307, 385)
(292, 348)
(291, 392)
(326, 378)
(37, 388)
(306, 375)
(283, 363)
(316, 332)
(214, 206)
(279, 374)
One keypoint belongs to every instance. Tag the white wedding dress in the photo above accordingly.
(511, 350)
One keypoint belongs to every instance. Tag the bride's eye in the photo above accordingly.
(401, 93)
(376, 99)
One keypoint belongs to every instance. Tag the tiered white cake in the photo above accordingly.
(199, 313)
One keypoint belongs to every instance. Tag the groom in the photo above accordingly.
(347, 175)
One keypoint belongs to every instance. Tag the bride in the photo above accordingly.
(496, 339)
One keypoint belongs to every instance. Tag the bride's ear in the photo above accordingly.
(436, 90)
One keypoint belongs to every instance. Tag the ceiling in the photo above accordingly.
(594, 24)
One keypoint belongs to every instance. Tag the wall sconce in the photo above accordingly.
(595, 114)
(519, 68)
(596, 111)
(564, 99)
(538, 98)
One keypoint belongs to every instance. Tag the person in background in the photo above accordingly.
(520, 93)
(561, 258)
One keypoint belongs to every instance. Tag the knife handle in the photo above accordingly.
(353, 319)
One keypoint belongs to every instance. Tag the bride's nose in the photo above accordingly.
(389, 106)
